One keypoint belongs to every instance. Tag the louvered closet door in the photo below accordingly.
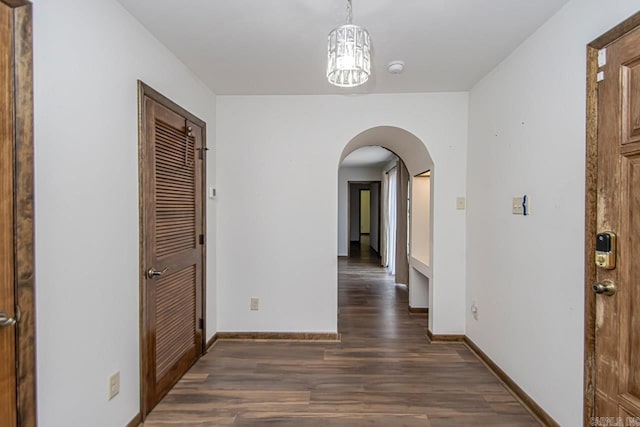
(173, 250)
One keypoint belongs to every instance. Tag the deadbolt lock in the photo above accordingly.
(606, 250)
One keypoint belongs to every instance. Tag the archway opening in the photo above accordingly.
(406, 152)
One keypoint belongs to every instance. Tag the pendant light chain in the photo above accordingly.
(349, 13)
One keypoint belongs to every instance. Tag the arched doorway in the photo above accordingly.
(419, 164)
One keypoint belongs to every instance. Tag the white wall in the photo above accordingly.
(421, 219)
(274, 256)
(527, 135)
(88, 57)
(420, 257)
(419, 289)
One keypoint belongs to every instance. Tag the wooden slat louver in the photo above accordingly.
(175, 191)
(175, 319)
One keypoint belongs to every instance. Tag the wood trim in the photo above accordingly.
(360, 214)
(591, 170)
(136, 421)
(279, 336)
(348, 217)
(511, 385)
(379, 191)
(444, 338)
(349, 184)
(24, 210)
(145, 90)
(591, 182)
(15, 4)
(419, 310)
(8, 293)
(616, 32)
(211, 342)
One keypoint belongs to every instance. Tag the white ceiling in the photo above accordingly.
(368, 157)
(279, 46)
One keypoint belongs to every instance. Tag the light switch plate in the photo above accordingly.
(114, 385)
(517, 208)
(255, 304)
(521, 205)
(460, 203)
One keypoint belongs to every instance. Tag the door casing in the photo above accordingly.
(23, 205)
(591, 207)
(349, 186)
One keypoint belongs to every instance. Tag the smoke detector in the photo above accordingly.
(395, 67)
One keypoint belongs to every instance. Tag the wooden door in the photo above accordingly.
(617, 316)
(8, 384)
(172, 160)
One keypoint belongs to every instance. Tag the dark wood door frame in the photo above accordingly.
(146, 91)
(591, 207)
(23, 195)
(349, 184)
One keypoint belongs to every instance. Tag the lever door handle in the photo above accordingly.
(152, 273)
(6, 320)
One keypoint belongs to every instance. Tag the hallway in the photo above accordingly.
(363, 252)
(384, 372)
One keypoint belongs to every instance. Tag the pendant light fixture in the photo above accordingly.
(349, 54)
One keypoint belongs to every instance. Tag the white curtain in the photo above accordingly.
(391, 220)
(384, 220)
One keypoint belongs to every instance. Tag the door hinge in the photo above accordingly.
(600, 76)
(203, 151)
(602, 57)
(201, 323)
(201, 239)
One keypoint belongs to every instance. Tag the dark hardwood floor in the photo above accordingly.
(362, 252)
(384, 372)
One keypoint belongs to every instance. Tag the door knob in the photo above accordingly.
(607, 288)
(5, 320)
(152, 273)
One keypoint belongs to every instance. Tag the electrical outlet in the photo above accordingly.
(460, 203)
(114, 385)
(255, 304)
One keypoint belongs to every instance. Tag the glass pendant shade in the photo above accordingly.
(349, 56)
